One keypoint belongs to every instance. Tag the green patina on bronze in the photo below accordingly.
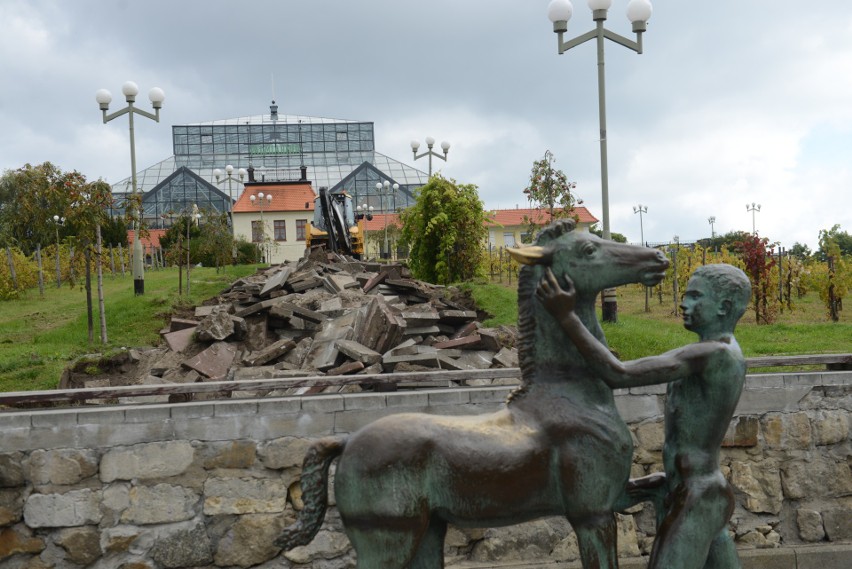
(558, 447)
(693, 500)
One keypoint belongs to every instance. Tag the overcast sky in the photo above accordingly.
(733, 101)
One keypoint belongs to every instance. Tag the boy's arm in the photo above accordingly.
(667, 367)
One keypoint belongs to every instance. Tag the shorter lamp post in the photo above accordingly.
(753, 208)
(191, 218)
(712, 221)
(640, 209)
(364, 212)
(430, 142)
(229, 176)
(57, 221)
(259, 200)
(385, 190)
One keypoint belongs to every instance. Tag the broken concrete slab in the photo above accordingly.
(347, 368)
(358, 352)
(474, 341)
(215, 361)
(276, 281)
(181, 324)
(269, 353)
(179, 340)
(506, 357)
(216, 327)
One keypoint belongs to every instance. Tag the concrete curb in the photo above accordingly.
(826, 556)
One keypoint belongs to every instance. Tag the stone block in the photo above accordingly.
(323, 404)
(831, 427)
(160, 504)
(761, 484)
(742, 432)
(250, 541)
(820, 477)
(810, 525)
(838, 523)
(62, 467)
(82, 545)
(246, 495)
(152, 460)
(14, 541)
(183, 547)
(75, 508)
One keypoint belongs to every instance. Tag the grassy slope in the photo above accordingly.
(38, 336)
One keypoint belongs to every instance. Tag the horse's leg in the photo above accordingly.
(430, 553)
(388, 543)
(596, 536)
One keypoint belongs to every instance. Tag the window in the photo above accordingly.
(509, 239)
(300, 229)
(280, 229)
(256, 232)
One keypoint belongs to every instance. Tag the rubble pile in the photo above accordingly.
(326, 314)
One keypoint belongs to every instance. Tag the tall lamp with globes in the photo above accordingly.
(638, 12)
(156, 96)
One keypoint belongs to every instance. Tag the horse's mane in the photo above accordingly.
(528, 278)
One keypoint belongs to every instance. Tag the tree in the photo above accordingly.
(839, 243)
(445, 232)
(800, 251)
(617, 237)
(29, 198)
(550, 193)
(216, 240)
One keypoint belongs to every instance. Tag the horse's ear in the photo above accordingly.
(533, 255)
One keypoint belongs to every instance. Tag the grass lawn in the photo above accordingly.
(805, 330)
(39, 336)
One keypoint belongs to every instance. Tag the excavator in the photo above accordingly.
(335, 226)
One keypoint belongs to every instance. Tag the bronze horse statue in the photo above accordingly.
(558, 447)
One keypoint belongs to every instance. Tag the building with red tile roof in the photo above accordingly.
(276, 219)
(509, 227)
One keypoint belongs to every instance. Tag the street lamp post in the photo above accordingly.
(156, 95)
(712, 221)
(190, 219)
(57, 221)
(229, 176)
(640, 209)
(260, 199)
(638, 12)
(430, 142)
(753, 208)
(364, 212)
(385, 190)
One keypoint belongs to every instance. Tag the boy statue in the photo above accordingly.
(693, 501)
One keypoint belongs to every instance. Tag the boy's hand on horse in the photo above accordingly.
(558, 300)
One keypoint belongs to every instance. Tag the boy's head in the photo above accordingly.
(730, 288)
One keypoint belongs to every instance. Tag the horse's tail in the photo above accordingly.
(314, 492)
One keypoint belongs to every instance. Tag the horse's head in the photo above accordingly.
(592, 263)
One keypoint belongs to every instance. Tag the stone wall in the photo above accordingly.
(211, 484)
